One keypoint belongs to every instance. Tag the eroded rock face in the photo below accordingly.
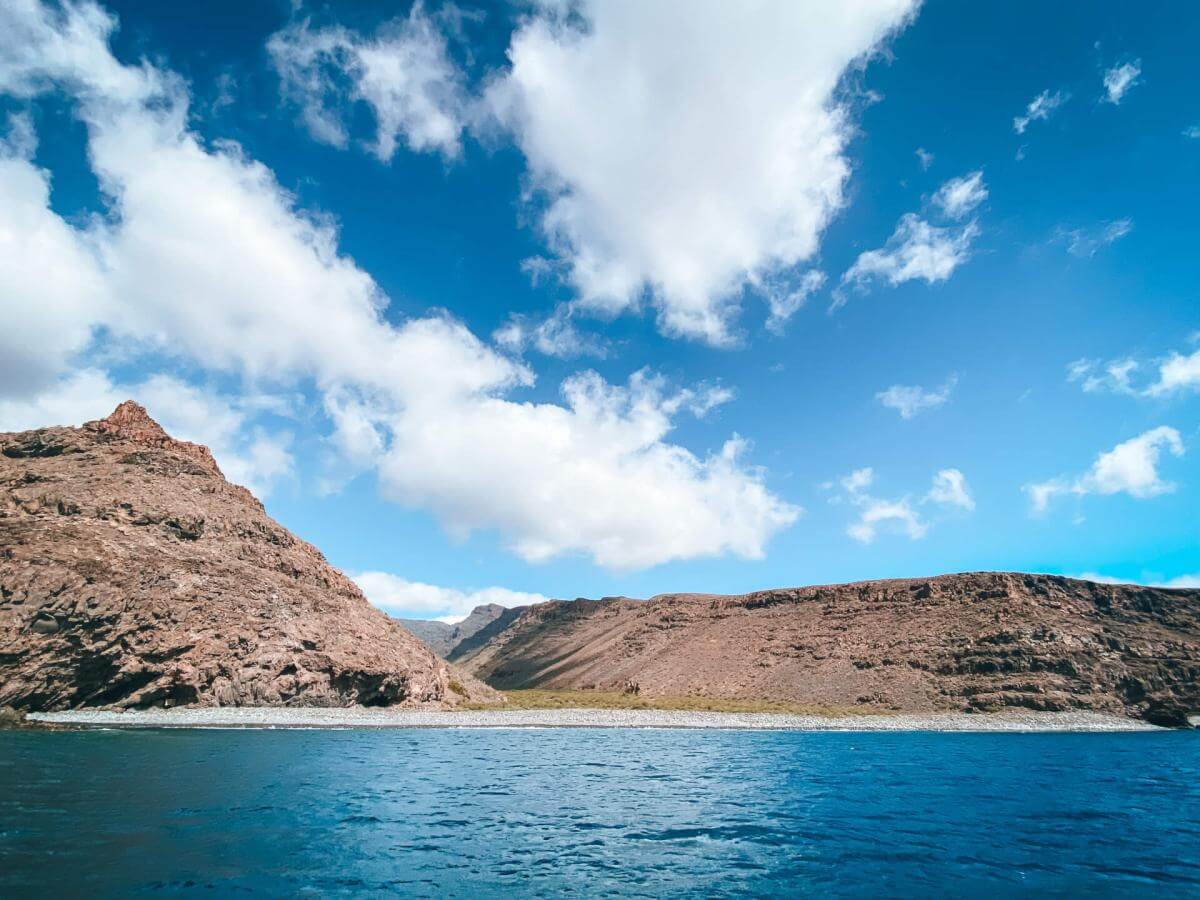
(133, 574)
(980, 641)
(446, 640)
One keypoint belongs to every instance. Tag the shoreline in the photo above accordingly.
(362, 717)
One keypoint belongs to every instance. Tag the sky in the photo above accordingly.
(504, 302)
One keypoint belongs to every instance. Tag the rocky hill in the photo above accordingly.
(980, 641)
(445, 638)
(133, 574)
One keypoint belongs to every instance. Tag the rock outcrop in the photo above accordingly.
(446, 639)
(981, 641)
(132, 574)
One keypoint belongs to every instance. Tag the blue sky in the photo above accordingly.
(505, 301)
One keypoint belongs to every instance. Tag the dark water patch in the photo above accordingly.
(505, 813)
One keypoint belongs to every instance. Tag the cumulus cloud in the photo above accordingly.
(1119, 79)
(899, 515)
(915, 251)
(403, 73)
(959, 196)
(52, 282)
(683, 151)
(424, 401)
(1039, 109)
(1086, 242)
(1175, 373)
(415, 600)
(909, 400)
(1129, 468)
(593, 476)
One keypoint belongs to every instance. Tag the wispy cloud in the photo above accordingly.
(1119, 79)
(1173, 374)
(910, 400)
(902, 514)
(1087, 242)
(959, 196)
(1039, 108)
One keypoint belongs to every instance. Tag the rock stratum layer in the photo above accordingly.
(132, 574)
(972, 642)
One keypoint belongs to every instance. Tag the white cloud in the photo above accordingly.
(416, 600)
(1174, 374)
(1178, 372)
(1086, 242)
(205, 257)
(899, 515)
(924, 157)
(1119, 79)
(683, 152)
(1039, 108)
(950, 489)
(52, 284)
(784, 302)
(909, 400)
(1130, 468)
(1114, 376)
(1192, 131)
(404, 74)
(247, 456)
(556, 335)
(1182, 581)
(959, 196)
(916, 250)
(592, 476)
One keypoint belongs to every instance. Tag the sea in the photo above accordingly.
(510, 813)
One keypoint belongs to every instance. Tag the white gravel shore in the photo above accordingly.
(360, 717)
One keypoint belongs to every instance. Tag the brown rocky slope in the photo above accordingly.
(980, 641)
(133, 574)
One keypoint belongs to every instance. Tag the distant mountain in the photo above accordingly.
(980, 641)
(445, 638)
(133, 574)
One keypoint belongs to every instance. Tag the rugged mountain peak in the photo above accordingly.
(131, 420)
(131, 423)
(133, 574)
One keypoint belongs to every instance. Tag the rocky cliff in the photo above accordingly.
(980, 641)
(133, 574)
(445, 638)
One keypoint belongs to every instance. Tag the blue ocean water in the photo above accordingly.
(513, 813)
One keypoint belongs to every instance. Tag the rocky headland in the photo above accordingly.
(133, 575)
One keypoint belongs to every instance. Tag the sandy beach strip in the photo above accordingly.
(361, 717)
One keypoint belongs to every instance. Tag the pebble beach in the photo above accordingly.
(362, 717)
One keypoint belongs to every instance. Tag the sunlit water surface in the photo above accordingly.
(484, 813)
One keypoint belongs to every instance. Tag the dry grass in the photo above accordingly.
(545, 699)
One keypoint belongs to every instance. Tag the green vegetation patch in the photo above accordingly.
(549, 699)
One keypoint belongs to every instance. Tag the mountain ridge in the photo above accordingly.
(978, 641)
